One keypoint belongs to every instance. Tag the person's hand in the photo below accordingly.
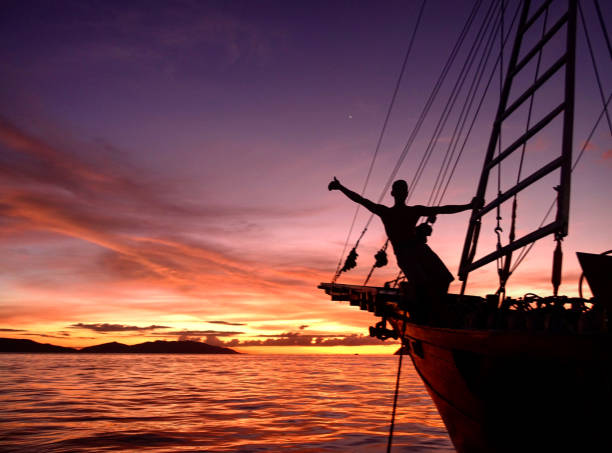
(477, 202)
(334, 185)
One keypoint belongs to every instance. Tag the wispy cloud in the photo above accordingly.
(199, 333)
(299, 339)
(104, 327)
(48, 335)
(227, 323)
(165, 36)
(129, 219)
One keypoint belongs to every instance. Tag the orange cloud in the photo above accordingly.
(299, 339)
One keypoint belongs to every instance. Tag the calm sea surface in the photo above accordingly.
(155, 403)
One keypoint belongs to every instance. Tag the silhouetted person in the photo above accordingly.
(420, 264)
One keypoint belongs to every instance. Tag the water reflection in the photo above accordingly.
(97, 402)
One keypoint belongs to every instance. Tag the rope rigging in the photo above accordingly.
(420, 120)
(559, 227)
(353, 253)
(441, 195)
(504, 272)
(475, 65)
(466, 108)
(397, 382)
(525, 250)
(455, 92)
(380, 260)
(498, 229)
(595, 70)
(462, 118)
(603, 26)
(431, 99)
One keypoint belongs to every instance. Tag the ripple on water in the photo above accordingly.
(156, 403)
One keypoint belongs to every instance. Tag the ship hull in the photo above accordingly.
(501, 391)
(503, 380)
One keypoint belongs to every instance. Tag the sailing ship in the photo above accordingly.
(513, 374)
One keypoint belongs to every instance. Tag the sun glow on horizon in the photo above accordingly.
(383, 349)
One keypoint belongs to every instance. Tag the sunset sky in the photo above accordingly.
(164, 165)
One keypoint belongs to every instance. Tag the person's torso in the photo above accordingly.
(400, 223)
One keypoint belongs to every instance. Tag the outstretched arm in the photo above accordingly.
(453, 208)
(369, 205)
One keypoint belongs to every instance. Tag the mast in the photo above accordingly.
(559, 227)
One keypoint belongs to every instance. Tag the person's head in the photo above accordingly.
(399, 190)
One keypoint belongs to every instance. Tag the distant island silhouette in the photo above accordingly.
(15, 345)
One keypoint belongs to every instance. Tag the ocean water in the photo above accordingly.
(212, 403)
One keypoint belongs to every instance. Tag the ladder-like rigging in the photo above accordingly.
(559, 226)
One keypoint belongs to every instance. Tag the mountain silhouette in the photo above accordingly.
(11, 345)
(23, 345)
(112, 347)
(160, 347)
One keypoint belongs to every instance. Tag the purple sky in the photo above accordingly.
(166, 163)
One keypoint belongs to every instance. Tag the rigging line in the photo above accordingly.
(397, 86)
(463, 77)
(348, 236)
(441, 196)
(471, 57)
(498, 228)
(395, 395)
(452, 148)
(511, 236)
(588, 40)
(463, 115)
(531, 101)
(429, 101)
(527, 249)
(454, 95)
(384, 128)
(461, 121)
(433, 95)
(605, 107)
(480, 104)
(397, 383)
(383, 249)
(603, 26)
